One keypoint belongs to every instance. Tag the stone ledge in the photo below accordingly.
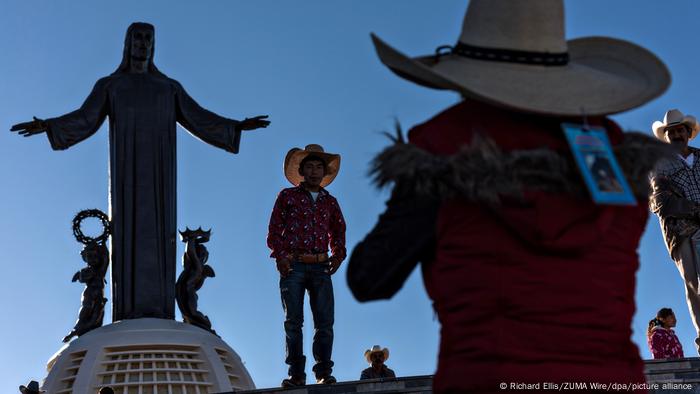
(410, 384)
(682, 371)
(673, 373)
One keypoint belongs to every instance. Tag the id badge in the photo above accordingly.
(598, 166)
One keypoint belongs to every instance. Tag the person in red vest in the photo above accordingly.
(531, 280)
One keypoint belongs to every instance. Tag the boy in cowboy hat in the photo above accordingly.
(676, 201)
(523, 269)
(376, 357)
(305, 221)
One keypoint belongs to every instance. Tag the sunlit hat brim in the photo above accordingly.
(296, 155)
(603, 76)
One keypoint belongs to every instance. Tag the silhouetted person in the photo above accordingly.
(31, 388)
(376, 357)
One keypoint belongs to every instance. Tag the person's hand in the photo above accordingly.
(28, 129)
(284, 266)
(253, 123)
(333, 265)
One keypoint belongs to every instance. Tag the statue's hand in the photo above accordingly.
(28, 129)
(253, 123)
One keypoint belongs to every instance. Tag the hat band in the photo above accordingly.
(504, 55)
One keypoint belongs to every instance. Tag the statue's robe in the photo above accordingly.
(142, 111)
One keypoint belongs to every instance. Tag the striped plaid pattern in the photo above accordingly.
(684, 178)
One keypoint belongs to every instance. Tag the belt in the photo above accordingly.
(311, 258)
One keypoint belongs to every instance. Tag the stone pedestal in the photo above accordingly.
(147, 356)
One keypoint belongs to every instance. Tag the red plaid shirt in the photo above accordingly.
(300, 225)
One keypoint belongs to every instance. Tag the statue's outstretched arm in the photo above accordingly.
(213, 129)
(69, 129)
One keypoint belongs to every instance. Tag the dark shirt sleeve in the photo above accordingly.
(389, 373)
(206, 125)
(69, 129)
(275, 231)
(336, 233)
(403, 236)
(365, 374)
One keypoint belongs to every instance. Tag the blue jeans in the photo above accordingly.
(314, 279)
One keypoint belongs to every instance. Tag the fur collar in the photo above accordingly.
(482, 172)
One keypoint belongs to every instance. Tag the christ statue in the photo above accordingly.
(143, 105)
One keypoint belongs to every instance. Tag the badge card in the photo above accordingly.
(598, 166)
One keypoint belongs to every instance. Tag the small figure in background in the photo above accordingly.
(31, 388)
(662, 340)
(96, 255)
(192, 277)
(376, 357)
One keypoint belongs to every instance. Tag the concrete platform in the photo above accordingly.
(681, 376)
(411, 384)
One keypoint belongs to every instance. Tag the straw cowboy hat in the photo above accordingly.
(31, 388)
(675, 117)
(514, 54)
(376, 349)
(296, 155)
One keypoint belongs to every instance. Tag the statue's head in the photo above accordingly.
(142, 40)
(139, 45)
(95, 254)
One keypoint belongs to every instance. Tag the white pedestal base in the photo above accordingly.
(147, 356)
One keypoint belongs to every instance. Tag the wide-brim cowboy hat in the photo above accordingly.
(31, 388)
(514, 54)
(376, 349)
(675, 117)
(296, 155)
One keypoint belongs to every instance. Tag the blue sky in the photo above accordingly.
(310, 65)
